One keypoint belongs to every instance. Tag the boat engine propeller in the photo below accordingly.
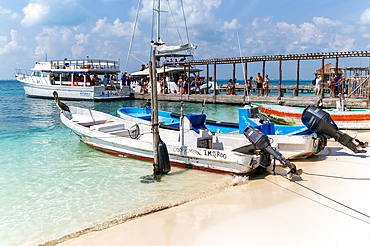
(320, 122)
(261, 142)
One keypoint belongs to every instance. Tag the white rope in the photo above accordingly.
(133, 33)
(241, 59)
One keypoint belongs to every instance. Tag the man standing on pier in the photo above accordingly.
(259, 84)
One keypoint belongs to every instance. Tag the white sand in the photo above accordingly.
(268, 210)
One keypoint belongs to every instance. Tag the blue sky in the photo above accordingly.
(102, 29)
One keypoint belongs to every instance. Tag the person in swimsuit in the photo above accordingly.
(266, 84)
(259, 84)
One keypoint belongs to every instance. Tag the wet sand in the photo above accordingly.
(328, 205)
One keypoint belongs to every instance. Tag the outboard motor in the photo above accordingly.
(262, 142)
(319, 121)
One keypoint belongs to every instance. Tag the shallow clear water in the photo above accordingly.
(52, 185)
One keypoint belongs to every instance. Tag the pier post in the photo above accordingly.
(214, 82)
(189, 82)
(336, 66)
(322, 77)
(297, 87)
(207, 79)
(280, 77)
(246, 78)
(263, 70)
(155, 127)
(233, 71)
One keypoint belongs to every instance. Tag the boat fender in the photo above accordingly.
(164, 165)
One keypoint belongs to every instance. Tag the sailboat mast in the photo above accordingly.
(158, 18)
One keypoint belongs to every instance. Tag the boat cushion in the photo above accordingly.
(109, 127)
(197, 121)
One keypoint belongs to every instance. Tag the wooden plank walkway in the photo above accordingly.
(300, 101)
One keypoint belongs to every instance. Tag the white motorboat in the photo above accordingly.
(191, 147)
(74, 80)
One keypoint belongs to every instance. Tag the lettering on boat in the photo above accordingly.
(215, 154)
(85, 93)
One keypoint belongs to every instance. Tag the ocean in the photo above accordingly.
(52, 185)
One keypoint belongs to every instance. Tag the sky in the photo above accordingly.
(37, 30)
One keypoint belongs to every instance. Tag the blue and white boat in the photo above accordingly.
(292, 141)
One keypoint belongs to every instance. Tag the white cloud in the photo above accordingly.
(231, 25)
(117, 29)
(52, 12)
(12, 45)
(365, 17)
(34, 14)
(82, 38)
(54, 41)
(8, 12)
(3, 39)
(325, 22)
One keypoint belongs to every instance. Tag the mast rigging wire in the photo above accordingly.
(186, 26)
(174, 20)
(132, 37)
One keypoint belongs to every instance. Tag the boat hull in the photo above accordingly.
(74, 92)
(211, 160)
(352, 120)
(291, 146)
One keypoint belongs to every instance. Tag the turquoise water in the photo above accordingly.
(52, 185)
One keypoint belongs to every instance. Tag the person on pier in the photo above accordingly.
(266, 84)
(318, 86)
(259, 84)
(197, 85)
(249, 85)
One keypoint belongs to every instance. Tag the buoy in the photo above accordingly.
(164, 165)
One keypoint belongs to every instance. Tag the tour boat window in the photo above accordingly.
(37, 73)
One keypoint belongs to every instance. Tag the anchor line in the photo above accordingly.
(332, 176)
(320, 194)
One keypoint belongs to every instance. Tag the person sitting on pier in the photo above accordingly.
(266, 84)
(259, 84)
(233, 83)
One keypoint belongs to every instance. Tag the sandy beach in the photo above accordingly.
(328, 205)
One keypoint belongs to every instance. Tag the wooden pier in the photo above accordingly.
(281, 89)
(280, 58)
(299, 101)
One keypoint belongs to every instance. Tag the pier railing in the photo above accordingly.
(86, 64)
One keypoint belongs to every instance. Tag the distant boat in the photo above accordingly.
(356, 119)
(71, 79)
(193, 147)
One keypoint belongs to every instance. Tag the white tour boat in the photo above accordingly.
(89, 79)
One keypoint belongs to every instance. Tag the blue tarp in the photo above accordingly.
(197, 121)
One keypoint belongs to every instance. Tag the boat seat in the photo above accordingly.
(86, 120)
(109, 127)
